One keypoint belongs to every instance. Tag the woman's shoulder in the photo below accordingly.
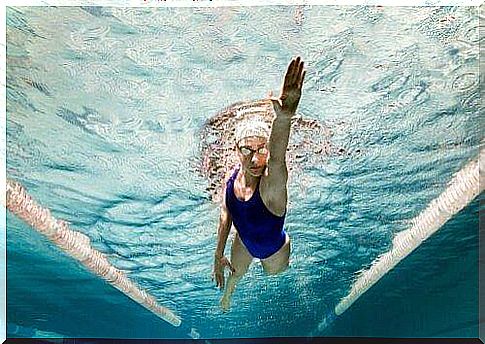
(231, 173)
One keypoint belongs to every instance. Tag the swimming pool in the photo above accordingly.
(105, 107)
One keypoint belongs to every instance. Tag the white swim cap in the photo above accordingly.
(252, 127)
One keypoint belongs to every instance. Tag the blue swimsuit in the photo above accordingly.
(261, 231)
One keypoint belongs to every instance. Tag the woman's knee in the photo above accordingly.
(239, 271)
(276, 270)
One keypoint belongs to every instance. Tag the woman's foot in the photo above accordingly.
(225, 303)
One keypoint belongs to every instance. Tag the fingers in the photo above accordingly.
(226, 262)
(300, 82)
(218, 273)
(219, 280)
(294, 73)
(297, 68)
(289, 75)
(299, 74)
(230, 267)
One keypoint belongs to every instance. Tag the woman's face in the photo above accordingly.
(253, 155)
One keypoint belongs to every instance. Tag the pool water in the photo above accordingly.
(105, 107)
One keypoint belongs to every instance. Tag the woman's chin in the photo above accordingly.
(257, 172)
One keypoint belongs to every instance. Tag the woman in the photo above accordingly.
(255, 196)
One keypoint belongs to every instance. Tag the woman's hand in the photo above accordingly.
(287, 102)
(219, 264)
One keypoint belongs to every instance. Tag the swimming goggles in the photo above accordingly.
(246, 151)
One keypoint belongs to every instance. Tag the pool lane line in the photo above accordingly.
(78, 246)
(465, 185)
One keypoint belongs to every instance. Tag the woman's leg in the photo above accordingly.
(240, 261)
(279, 261)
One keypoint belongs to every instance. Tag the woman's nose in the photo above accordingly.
(254, 158)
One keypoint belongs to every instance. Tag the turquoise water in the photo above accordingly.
(104, 111)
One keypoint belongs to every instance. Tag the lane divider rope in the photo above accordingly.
(78, 245)
(462, 189)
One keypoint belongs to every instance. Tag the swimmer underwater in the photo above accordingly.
(255, 195)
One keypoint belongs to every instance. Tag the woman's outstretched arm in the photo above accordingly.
(274, 190)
